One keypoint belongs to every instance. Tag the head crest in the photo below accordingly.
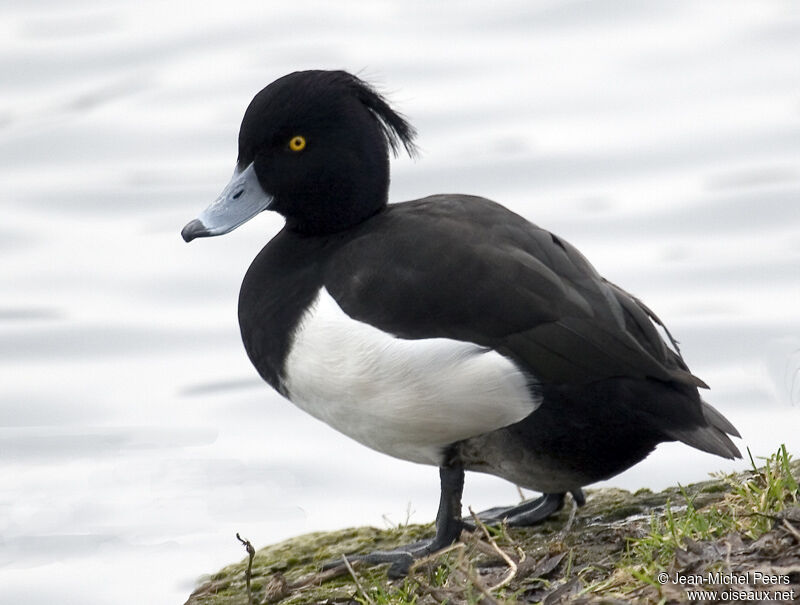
(395, 127)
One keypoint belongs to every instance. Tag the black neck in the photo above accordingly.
(279, 285)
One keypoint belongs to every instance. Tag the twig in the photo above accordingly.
(318, 578)
(434, 555)
(568, 525)
(792, 529)
(478, 583)
(251, 552)
(356, 580)
(521, 554)
(496, 549)
(480, 546)
(441, 594)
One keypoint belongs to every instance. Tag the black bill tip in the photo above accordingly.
(193, 229)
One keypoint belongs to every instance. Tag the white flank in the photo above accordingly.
(406, 398)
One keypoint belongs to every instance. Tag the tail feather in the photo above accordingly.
(718, 420)
(711, 438)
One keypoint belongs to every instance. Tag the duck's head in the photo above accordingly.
(313, 146)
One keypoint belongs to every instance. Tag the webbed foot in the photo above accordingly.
(400, 558)
(530, 512)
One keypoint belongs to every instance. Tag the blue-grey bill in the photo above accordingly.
(240, 201)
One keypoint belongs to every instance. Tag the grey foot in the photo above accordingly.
(530, 512)
(401, 558)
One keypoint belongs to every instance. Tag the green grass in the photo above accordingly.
(769, 491)
(748, 508)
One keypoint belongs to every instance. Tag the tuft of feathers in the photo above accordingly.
(395, 126)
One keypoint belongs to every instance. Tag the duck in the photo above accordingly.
(447, 330)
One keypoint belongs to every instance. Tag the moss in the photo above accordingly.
(612, 549)
(300, 558)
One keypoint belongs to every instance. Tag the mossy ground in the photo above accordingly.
(611, 551)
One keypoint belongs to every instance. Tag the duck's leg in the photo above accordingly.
(448, 529)
(530, 512)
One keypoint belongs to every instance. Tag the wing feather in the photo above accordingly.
(498, 281)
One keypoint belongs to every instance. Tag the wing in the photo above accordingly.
(466, 268)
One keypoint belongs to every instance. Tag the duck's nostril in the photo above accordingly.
(238, 194)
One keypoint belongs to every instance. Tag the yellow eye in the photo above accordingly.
(297, 143)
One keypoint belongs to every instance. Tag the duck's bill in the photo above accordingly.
(240, 201)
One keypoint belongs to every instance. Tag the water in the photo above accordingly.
(662, 139)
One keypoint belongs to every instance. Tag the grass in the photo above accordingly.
(615, 548)
(749, 508)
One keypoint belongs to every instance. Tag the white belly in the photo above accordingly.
(406, 398)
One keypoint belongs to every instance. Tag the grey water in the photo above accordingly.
(661, 138)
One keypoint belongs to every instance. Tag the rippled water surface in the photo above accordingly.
(661, 138)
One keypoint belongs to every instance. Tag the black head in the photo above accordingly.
(317, 145)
